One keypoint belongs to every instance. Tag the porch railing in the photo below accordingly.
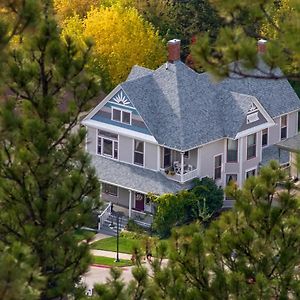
(142, 218)
(104, 215)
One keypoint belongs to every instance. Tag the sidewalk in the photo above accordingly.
(111, 254)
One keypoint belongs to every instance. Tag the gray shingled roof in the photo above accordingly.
(135, 178)
(184, 109)
(291, 144)
(273, 153)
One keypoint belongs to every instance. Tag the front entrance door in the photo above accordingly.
(139, 201)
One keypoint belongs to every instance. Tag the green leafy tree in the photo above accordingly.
(244, 23)
(47, 186)
(208, 197)
(180, 19)
(250, 252)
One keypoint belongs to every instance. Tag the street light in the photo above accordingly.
(118, 260)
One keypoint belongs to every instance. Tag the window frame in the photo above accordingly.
(219, 167)
(284, 127)
(253, 145)
(233, 175)
(122, 111)
(113, 140)
(250, 170)
(138, 152)
(237, 151)
(262, 137)
(103, 190)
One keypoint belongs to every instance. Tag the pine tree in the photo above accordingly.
(47, 187)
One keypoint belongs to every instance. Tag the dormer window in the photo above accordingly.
(122, 116)
(252, 118)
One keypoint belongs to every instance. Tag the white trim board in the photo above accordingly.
(119, 130)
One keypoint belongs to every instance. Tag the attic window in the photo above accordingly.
(252, 118)
(121, 116)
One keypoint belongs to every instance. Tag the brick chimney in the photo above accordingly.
(173, 50)
(261, 46)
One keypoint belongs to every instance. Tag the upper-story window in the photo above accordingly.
(264, 137)
(251, 146)
(283, 127)
(232, 150)
(138, 158)
(107, 144)
(120, 115)
(218, 167)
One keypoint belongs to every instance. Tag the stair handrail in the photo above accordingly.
(104, 215)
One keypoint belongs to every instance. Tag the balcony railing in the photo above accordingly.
(176, 176)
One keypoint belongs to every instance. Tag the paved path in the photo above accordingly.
(110, 254)
(98, 237)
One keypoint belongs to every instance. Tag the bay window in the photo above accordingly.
(232, 150)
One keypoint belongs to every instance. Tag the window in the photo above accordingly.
(250, 173)
(126, 117)
(264, 137)
(218, 166)
(232, 150)
(252, 118)
(116, 115)
(138, 152)
(231, 177)
(283, 127)
(298, 121)
(121, 116)
(251, 146)
(110, 189)
(107, 144)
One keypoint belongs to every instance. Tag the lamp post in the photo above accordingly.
(118, 260)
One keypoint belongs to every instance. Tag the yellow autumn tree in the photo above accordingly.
(121, 38)
(68, 8)
(278, 12)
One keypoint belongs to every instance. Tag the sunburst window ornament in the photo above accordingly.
(252, 108)
(121, 99)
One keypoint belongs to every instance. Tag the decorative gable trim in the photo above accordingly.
(121, 98)
(252, 116)
(102, 103)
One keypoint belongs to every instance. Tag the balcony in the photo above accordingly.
(179, 166)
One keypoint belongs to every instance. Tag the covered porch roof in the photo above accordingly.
(135, 178)
(291, 144)
(274, 153)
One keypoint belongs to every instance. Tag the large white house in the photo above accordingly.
(160, 129)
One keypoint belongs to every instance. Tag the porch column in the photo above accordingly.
(182, 165)
(130, 204)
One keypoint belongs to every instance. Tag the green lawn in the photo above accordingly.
(110, 244)
(81, 234)
(108, 261)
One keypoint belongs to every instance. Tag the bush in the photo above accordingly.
(199, 203)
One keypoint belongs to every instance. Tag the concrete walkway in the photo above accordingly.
(98, 237)
(111, 254)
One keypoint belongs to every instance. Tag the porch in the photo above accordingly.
(179, 166)
(130, 204)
